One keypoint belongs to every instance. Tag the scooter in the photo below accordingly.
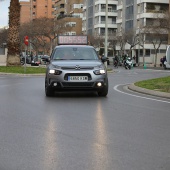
(128, 63)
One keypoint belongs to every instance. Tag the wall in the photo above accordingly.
(151, 60)
(3, 59)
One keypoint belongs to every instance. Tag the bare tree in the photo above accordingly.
(98, 42)
(43, 32)
(132, 39)
(156, 33)
(121, 41)
(112, 38)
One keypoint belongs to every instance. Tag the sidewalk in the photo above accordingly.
(150, 92)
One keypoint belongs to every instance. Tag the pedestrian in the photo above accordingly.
(134, 60)
(163, 61)
(116, 61)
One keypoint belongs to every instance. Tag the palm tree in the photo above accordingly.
(13, 56)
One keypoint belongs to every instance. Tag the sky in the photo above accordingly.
(4, 12)
(4, 4)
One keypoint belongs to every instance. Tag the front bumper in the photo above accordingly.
(61, 82)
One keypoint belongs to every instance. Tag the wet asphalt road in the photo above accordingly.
(81, 131)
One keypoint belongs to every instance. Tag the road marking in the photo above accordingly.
(116, 89)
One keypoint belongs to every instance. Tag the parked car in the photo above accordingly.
(44, 59)
(28, 59)
(36, 61)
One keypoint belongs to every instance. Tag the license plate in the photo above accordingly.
(77, 78)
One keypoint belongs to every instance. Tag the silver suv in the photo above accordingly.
(76, 67)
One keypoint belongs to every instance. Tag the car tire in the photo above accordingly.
(49, 92)
(104, 91)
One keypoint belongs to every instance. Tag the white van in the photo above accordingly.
(167, 62)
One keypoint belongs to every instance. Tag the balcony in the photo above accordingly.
(110, 2)
(101, 24)
(151, 1)
(102, 12)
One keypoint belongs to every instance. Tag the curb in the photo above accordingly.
(17, 74)
(150, 92)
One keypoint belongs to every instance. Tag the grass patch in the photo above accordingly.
(22, 70)
(158, 84)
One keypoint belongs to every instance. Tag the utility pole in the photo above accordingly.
(106, 31)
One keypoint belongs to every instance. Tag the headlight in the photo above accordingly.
(56, 72)
(99, 72)
(51, 71)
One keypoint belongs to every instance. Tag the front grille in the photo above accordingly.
(77, 74)
(81, 68)
(78, 84)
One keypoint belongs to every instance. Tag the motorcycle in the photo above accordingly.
(128, 63)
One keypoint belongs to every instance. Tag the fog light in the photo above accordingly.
(99, 84)
(55, 84)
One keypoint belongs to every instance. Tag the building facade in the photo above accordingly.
(25, 15)
(94, 17)
(36, 9)
(136, 14)
(70, 11)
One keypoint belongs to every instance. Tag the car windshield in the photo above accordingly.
(75, 53)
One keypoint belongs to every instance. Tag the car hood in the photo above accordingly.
(73, 63)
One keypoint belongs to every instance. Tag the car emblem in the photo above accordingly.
(77, 67)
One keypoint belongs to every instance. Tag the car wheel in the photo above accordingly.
(48, 90)
(104, 91)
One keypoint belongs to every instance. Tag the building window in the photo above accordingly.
(162, 51)
(141, 52)
(147, 52)
(152, 51)
(73, 33)
(77, 6)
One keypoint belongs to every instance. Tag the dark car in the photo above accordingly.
(36, 60)
(27, 58)
(76, 67)
(45, 59)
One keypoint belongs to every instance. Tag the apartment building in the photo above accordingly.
(25, 14)
(94, 16)
(135, 14)
(70, 11)
(169, 31)
(36, 9)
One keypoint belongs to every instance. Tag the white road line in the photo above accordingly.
(116, 89)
